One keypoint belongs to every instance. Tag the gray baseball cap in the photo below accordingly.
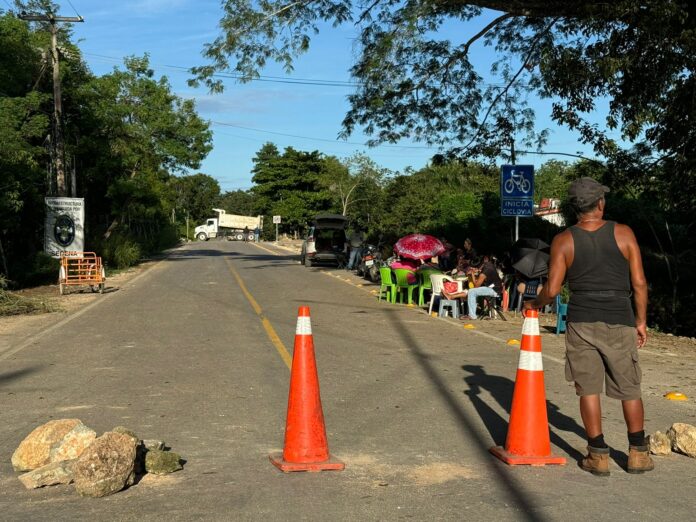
(585, 191)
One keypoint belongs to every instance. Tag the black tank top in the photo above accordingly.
(599, 279)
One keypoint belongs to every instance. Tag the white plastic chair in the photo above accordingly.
(436, 281)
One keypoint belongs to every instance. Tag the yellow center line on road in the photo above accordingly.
(270, 331)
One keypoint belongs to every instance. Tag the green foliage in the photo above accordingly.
(195, 195)
(241, 202)
(43, 269)
(290, 185)
(127, 132)
(356, 188)
(551, 180)
(120, 251)
(127, 253)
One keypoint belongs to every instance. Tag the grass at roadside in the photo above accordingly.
(13, 304)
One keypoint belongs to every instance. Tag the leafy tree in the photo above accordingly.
(139, 132)
(367, 206)
(290, 185)
(551, 180)
(195, 195)
(356, 185)
(241, 202)
(417, 80)
(23, 127)
(441, 199)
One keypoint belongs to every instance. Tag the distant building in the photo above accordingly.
(550, 210)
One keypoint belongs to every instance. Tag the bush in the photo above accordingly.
(40, 269)
(168, 237)
(127, 253)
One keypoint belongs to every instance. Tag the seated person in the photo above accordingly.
(522, 285)
(462, 266)
(454, 290)
(444, 257)
(432, 264)
(406, 264)
(469, 250)
(486, 284)
(524, 288)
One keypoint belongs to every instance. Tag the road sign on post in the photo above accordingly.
(517, 190)
(276, 220)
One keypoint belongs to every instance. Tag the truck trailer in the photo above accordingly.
(230, 226)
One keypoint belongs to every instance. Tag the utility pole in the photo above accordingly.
(58, 143)
(512, 161)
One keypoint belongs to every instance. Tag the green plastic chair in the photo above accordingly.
(387, 285)
(402, 285)
(424, 283)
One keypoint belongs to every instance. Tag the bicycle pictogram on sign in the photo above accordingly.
(518, 181)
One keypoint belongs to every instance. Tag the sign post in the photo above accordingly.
(276, 220)
(517, 192)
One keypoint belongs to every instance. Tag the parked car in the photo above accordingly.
(325, 242)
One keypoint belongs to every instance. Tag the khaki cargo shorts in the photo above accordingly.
(600, 353)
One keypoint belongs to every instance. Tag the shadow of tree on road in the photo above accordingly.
(527, 504)
(6, 377)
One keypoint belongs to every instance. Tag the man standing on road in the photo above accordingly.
(246, 234)
(257, 233)
(601, 261)
(355, 242)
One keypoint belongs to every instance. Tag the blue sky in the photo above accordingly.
(306, 117)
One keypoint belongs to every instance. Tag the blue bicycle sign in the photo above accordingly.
(517, 181)
(517, 190)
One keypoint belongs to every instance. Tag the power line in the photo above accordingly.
(73, 8)
(260, 78)
(269, 79)
(342, 154)
(8, 5)
(224, 124)
(531, 152)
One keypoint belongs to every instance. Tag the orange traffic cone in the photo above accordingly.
(528, 433)
(305, 447)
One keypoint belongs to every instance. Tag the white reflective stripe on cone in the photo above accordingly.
(531, 361)
(304, 326)
(530, 326)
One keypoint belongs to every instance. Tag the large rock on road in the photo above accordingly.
(55, 441)
(106, 467)
(683, 437)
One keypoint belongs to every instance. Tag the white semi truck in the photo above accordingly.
(227, 225)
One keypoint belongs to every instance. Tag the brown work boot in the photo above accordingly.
(596, 462)
(639, 460)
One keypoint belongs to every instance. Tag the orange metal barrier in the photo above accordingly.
(81, 268)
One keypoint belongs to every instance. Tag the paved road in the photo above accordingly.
(412, 404)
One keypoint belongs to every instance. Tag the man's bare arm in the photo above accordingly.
(627, 239)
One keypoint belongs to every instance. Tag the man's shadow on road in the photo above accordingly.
(501, 388)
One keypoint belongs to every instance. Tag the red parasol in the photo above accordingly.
(419, 246)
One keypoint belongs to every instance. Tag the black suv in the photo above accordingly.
(325, 240)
